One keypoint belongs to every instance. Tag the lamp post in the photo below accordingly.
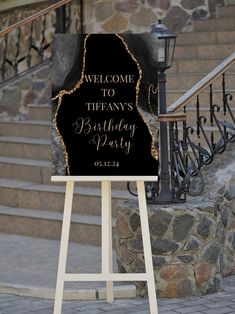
(163, 49)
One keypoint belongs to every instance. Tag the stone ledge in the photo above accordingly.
(84, 294)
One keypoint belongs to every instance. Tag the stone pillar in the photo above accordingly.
(187, 245)
(228, 219)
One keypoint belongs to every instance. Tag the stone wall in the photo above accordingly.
(193, 244)
(33, 87)
(137, 15)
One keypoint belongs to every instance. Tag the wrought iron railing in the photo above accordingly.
(209, 127)
(37, 32)
(201, 123)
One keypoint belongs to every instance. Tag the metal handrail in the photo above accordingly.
(202, 84)
(33, 17)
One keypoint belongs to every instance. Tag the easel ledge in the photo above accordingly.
(102, 178)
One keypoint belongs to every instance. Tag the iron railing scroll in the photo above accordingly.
(201, 124)
(209, 127)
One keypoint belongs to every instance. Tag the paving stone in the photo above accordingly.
(196, 313)
(45, 311)
(195, 302)
(191, 309)
(69, 311)
(221, 310)
(140, 312)
(219, 304)
(137, 306)
(94, 311)
(171, 307)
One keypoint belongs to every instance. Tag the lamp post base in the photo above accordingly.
(165, 195)
(164, 201)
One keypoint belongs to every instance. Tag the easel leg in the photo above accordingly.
(147, 248)
(64, 247)
(107, 247)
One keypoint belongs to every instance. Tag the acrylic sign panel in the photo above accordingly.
(99, 120)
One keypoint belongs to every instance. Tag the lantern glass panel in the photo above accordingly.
(161, 50)
(170, 47)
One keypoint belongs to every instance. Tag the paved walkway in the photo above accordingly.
(31, 263)
(219, 303)
(28, 267)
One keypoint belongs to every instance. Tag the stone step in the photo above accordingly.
(37, 129)
(39, 171)
(225, 11)
(194, 66)
(47, 224)
(186, 81)
(205, 38)
(219, 24)
(37, 112)
(213, 51)
(23, 194)
(191, 66)
(173, 95)
(23, 147)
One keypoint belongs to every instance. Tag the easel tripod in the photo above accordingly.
(106, 274)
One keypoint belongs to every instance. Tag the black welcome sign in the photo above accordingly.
(99, 120)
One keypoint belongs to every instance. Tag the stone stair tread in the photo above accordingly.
(24, 140)
(49, 215)
(27, 162)
(28, 122)
(206, 45)
(193, 66)
(201, 74)
(203, 38)
(205, 51)
(212, 24)
(85, 191)
(225, 11)
(39, 106)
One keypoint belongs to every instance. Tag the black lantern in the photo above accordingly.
(164, 45)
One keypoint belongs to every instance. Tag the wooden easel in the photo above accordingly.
(107, 263)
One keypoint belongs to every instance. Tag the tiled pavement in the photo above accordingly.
(28, 262)
(219, 303)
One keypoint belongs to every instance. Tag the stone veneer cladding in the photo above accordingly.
(34, 87)
(193, 244)
(106, 16)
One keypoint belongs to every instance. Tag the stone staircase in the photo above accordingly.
(196, 54)
(31, 205)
